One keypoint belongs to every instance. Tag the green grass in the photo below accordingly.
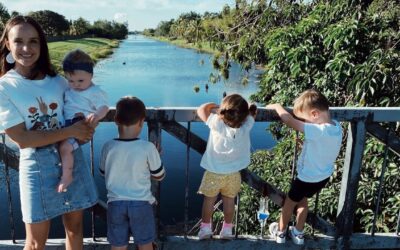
(97, 48)
(202, 46)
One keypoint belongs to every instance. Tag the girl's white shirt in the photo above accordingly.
(228, 149)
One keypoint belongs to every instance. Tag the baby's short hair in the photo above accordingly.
(311, 99)
(129, 111)
(77, 60)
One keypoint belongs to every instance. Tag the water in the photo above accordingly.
(161, 75)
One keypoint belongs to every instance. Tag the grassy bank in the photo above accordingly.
(97, 48)
(202, 46)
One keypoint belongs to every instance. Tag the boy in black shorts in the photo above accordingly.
(322, 141)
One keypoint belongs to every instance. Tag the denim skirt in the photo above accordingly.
(39, 175)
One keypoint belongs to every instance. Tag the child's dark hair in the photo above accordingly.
(311, 99)
(77, 60)
(234, 110)
(129, 111)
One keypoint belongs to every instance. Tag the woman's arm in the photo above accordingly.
(205, 109)
(38, 138)
(287, 118)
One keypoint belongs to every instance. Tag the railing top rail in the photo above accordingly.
(188, 114)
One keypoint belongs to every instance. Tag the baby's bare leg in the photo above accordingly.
(67, 161)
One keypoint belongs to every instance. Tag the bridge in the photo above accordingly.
(360, 122)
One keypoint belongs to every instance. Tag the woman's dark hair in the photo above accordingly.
(42, 65)
(234, 110)
(129, 111)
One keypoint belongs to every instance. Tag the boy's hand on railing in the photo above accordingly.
(273, 106)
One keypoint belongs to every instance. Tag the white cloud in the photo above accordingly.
(150, 4)
(120, 17)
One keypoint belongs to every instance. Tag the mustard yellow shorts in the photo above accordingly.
(227, 184)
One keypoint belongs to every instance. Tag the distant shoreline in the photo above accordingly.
(97, 48)
(203, 47)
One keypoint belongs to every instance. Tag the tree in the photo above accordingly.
(79, 26)
(189, 16)
(4, 16)
(52, 23)
(120, 30)
(15, 13)
(164, 27)
(107, 29)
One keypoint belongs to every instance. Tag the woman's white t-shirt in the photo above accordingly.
(228, 149)
(37, 103)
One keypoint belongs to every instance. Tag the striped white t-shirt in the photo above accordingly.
(128, 166)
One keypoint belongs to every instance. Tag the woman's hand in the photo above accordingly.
(82, 131)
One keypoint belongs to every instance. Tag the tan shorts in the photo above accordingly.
(227, 184)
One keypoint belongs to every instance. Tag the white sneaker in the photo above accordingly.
(205, 233)
(297, 239)
(226, 233)
(278, 236)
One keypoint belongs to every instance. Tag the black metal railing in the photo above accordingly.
(360, 122)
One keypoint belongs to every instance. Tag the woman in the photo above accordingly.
(31, 105)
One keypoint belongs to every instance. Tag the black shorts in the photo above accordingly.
(300, 189)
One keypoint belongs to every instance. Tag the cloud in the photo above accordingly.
(150, 4)
(120, 17)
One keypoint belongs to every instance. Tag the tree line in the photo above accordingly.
(55, 24)
(347, 49)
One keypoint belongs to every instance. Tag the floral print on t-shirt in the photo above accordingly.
(44, 120)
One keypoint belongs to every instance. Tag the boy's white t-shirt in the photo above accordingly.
(228, 149)
(321, 147)
(85, 102)
(127, 166)
(37, 103)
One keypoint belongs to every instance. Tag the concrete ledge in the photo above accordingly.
(192, 243)
(244, 242)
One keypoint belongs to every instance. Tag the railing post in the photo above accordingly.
(349, 185)
(186, 211)
(381, 181)
(92, 215)
(154, 135)
(8, 185)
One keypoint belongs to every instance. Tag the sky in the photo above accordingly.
(139, 14)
